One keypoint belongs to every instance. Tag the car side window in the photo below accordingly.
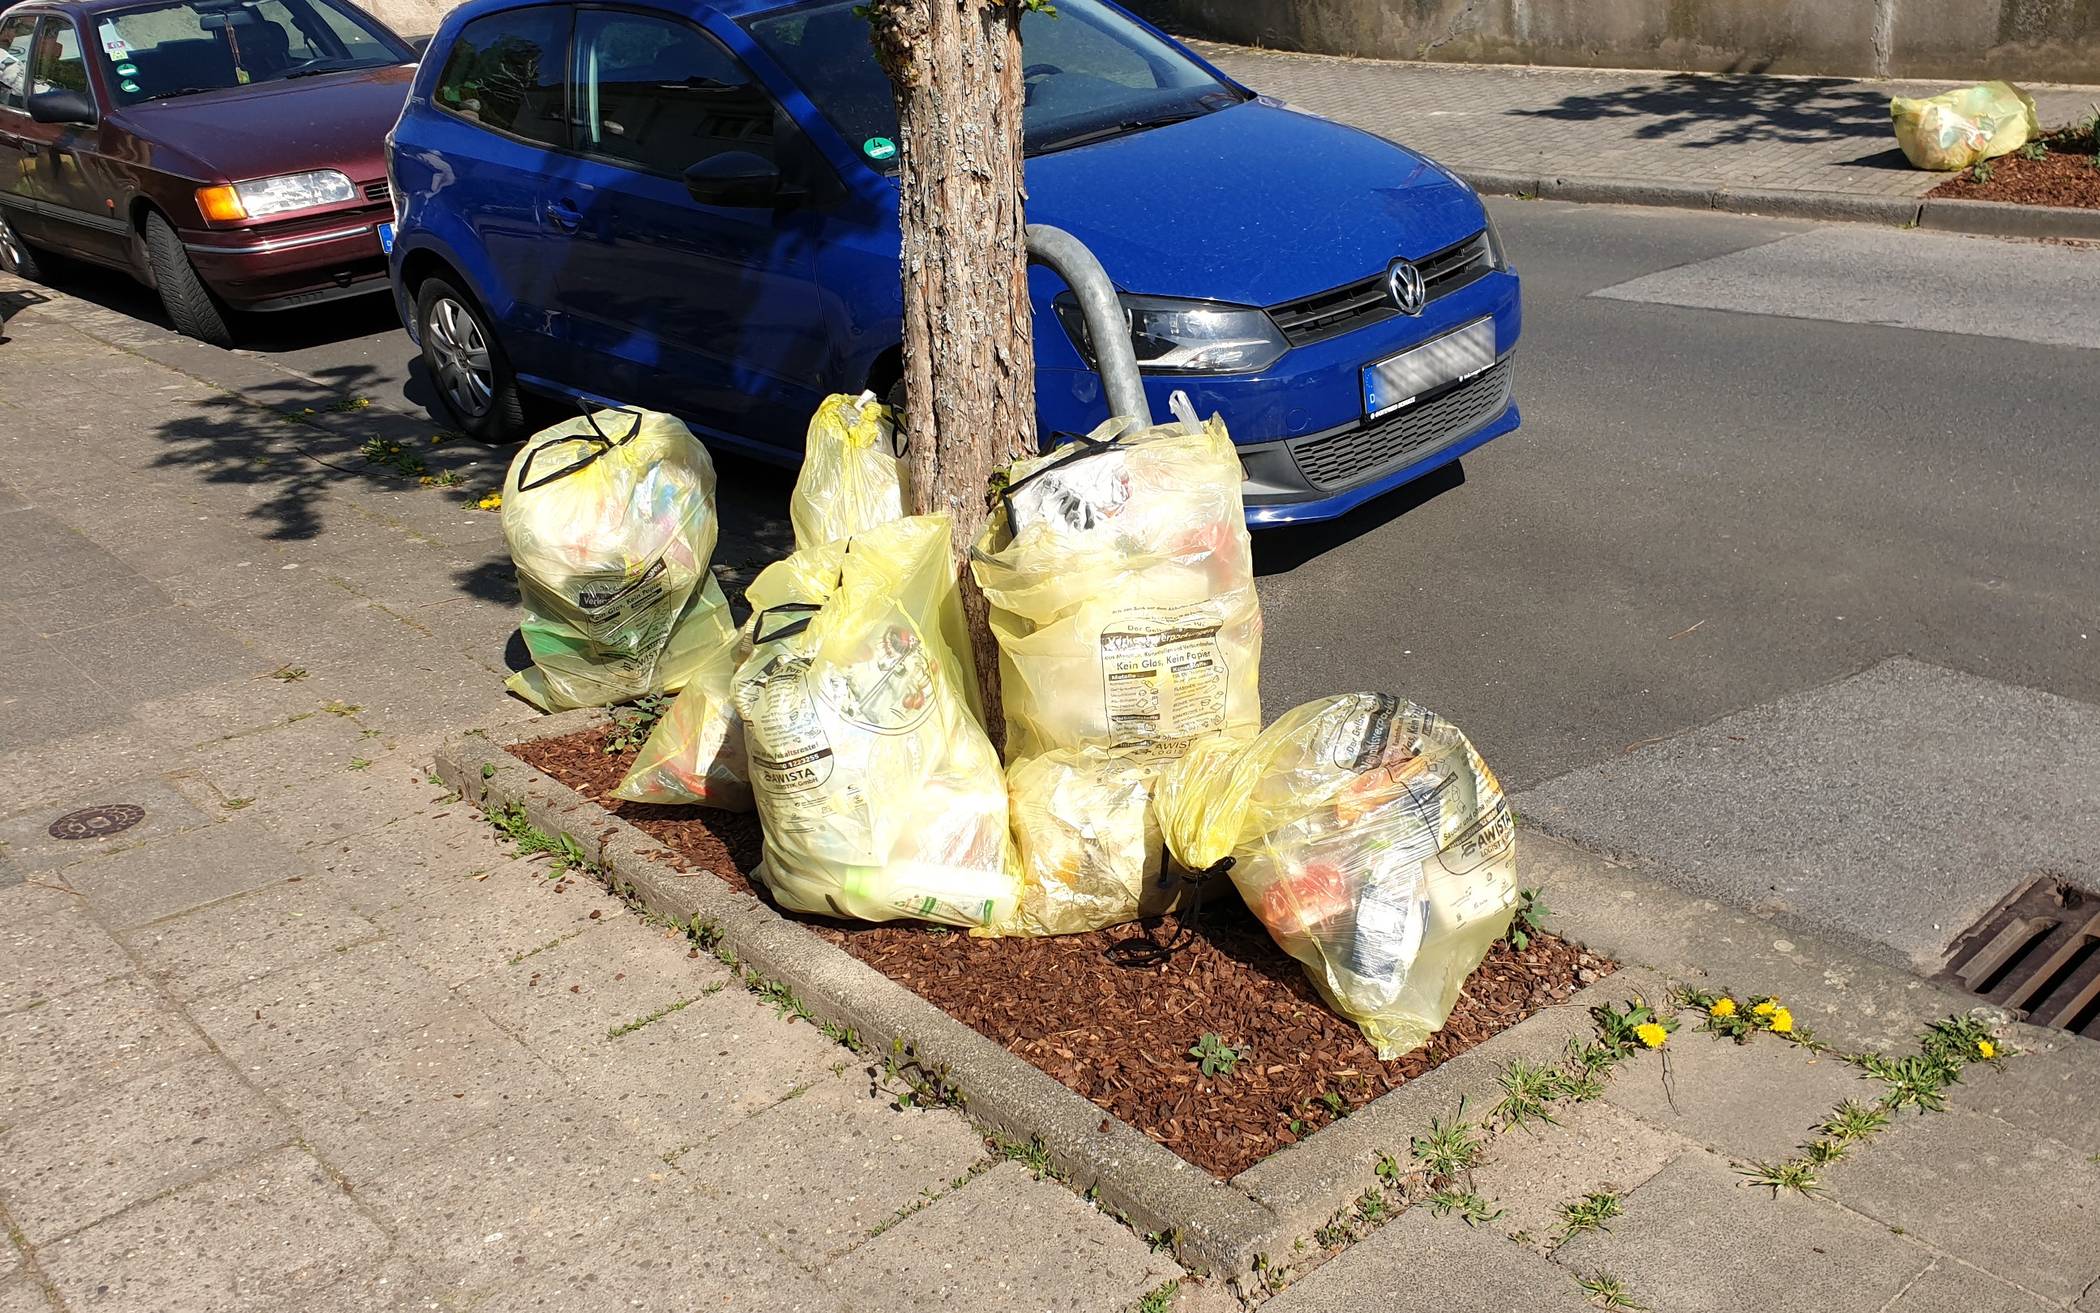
(505, 72)
(663, 96)
(15, 36)
(57, 65)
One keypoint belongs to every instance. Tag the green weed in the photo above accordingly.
(632, 725)
(393, 456)
(1607, 1291)
(1822, 1153)
(289, 674)
(1160, 1298)
(1529, 920)
(629, 1027)
(1589, 1213)
(1795, 1174)
(1527, 1090)
(1470, 1207)
(1450, 1147)
(1853, 1121)
(1215, 1056)
(359, 763)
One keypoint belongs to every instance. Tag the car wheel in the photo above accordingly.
(190, 303)
(467, 364)
(15, 255)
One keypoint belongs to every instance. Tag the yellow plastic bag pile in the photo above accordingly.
(1373, 843)
(610, 520)
(1121, 582)
(1955, 129)
(878, 792)
(851, 479)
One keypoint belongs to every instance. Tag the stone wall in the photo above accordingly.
(2023, 40)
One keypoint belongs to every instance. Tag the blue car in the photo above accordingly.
(693, 207)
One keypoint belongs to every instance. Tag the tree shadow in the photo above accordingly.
(15, 302)
(1700, 111)
(270, 442)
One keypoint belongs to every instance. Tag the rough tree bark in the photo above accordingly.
(969, 356)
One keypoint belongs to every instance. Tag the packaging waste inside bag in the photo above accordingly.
(1955, 129)
(1089, 848)
(878, 792)
(1371, 840)
(610, 521)
(851, 479)
(695, 754)
(1121, 582)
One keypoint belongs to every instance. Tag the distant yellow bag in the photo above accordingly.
(610, 521)
(1371, 840)
(1955, 129)
(1121, 581)
(878, 792)
(851, 479)
(1088, 845)
(696, 752)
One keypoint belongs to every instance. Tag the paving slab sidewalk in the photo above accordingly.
(308, 1037)
(1816, 146)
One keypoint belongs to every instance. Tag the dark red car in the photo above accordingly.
(228, 153)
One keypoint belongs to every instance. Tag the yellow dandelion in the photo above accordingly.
(1782, 1020)
(1766, 1008)
(1651, 1034)
(1722, 1008)
(1986, 1049)
(492, 502)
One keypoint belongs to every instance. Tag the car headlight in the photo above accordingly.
(1497, 258)
(1185, 337)
(263, 197)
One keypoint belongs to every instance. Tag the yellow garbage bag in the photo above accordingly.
(851, 479)
(695, 754)
(1088, 844)
(1955, 129)
(1372, 841)
(1121, 582)
(878, 792)
(610, 521)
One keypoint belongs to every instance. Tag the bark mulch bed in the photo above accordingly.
(1120, 1035)
(2069, 174)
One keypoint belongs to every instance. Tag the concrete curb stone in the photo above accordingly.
(1999, 219)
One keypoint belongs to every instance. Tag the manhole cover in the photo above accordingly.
(98, 822)
(2037, 952)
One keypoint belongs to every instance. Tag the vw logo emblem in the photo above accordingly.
(1403, 282)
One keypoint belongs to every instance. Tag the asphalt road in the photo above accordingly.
(1706, 509)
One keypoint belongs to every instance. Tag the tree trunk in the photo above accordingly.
(969, 357)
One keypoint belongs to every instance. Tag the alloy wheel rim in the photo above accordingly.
(10, 249)
(463, 369)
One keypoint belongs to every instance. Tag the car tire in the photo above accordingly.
(17, 257)
(467, 365)
(189, 302)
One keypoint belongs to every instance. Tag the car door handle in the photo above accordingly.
(563, 214)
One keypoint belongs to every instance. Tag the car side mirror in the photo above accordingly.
(734, 178)
(62, 107)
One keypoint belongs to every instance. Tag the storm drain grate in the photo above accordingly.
(2037, 952)
(97, 822)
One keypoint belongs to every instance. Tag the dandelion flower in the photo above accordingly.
(1986, 1049)
(1766, 1008)
(1722, 1009)
(1651, 1034)
(1782, 1020)
(492, 502)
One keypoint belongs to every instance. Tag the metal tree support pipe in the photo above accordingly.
(1070, 259)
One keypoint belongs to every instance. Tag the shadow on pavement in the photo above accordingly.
(1709, 110)
(265, 441)
(1282, 550)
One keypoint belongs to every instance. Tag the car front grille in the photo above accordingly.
(1342, 459)
(1342, 309)
(378, 191)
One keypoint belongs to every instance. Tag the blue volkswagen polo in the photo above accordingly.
(692, 207)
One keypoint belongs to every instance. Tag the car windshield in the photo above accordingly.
(1089, 72)
(157, 52)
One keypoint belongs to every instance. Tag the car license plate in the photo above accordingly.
(1397, 380)
(386, 238)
